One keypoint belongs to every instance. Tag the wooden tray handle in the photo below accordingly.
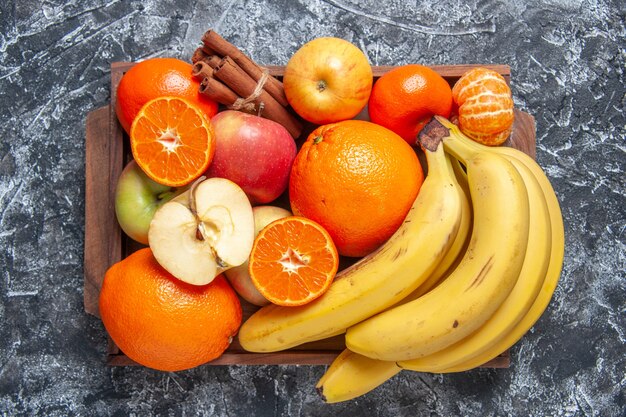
(103, 239)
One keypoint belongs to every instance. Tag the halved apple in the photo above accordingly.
(204, 231)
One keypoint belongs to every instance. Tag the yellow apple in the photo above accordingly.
(328, 80)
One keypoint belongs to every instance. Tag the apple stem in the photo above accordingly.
(192, 195)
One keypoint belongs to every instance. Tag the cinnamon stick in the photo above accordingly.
(198, 55)
(201, 70)
(214, 42)
(208, 51)
(205, 67)
(217, 91)
(241, 83)
(211, 59)
(211, 87)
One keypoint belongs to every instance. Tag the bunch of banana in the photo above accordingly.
(379, 280)
(482, 281)
(410, 339)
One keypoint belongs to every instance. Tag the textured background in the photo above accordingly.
(568, 62)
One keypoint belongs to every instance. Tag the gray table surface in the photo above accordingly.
(568, 63)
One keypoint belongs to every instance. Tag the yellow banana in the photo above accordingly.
(460, 174)
(477, 287)
(376, 282)
(519, 301)
(455, 254)
(557, 248)
(352, 375)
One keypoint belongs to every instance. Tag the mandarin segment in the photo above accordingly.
(492, 139)
(476, 81)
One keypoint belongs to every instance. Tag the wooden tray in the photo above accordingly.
(107, 152)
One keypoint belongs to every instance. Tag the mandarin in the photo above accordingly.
(172, 141)
(485, 106)
(158, 77)
(163, 323)
(405, 99)
(358, 180)
(293, 261)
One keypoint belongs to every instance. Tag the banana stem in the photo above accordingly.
(441, 130)
(432, 134)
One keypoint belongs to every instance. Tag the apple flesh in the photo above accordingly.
(328, 80)
(137, 198)
(204, 231)
(239, 277)
(253, 152)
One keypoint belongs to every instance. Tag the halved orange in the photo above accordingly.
(172, 141)
(293, 261)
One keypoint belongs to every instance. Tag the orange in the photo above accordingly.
(405, 99)
(164, 323)
(358, 180)
(293, 261)
(172, 141)
(485, 106)
(157, 77)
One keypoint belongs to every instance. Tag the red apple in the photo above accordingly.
(328, 80)
(253, 152)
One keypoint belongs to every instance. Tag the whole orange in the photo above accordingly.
(358, 180)
(163, 323)
(158, 77)
(405, 98)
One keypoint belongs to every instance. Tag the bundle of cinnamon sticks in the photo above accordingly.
(233, 79)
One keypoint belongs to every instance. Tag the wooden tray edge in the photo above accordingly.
(446, 71)
(314, 357)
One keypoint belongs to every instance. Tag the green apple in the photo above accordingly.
(239, 277)
(137, 198)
